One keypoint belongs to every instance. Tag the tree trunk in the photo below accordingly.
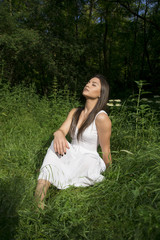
(90, 9)
(133, 76)
(76, 24)
(105, 47)
(10, 7)
(146, 40)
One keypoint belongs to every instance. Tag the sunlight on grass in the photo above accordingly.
(126, 205)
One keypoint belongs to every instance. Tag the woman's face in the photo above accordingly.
(92, 88)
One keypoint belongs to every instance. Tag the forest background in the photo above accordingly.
(48, 51)
(66, 42)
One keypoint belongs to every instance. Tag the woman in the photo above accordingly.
(78, 163)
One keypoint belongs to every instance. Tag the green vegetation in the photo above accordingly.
(50, 45)
(71, 40)
(126, 205)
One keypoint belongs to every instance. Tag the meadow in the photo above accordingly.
(125, 206)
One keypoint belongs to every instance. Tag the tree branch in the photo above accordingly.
(139, 16)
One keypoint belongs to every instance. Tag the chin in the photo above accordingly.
(85, 94)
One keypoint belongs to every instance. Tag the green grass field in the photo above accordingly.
(125, 206)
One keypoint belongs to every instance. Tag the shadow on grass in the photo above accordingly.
(11, 191)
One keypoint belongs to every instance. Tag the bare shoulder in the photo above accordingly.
(103, 118)
(103, 121)
(72, 111)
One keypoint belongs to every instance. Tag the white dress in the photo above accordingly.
(80, 166)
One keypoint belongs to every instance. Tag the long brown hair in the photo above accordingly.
(100, 105)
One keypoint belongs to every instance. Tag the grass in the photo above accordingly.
(126, 205)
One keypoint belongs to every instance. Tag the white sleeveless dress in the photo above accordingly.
(80, 166)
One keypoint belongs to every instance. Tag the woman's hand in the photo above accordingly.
(60, 142)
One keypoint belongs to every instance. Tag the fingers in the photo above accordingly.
(67, 145)
(60, 147)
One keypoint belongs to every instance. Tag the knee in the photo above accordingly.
(43, 183)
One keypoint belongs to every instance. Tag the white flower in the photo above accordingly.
(144, 99)
(117, 105)
(110, 104)
(157, 101)
(117, 100)
(111, 100)
(156, 96)
(150, 101)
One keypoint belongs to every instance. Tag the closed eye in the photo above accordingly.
(93, 83)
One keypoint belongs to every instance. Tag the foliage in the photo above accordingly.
(72, 40)
(126, 205)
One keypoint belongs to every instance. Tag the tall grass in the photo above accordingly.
(126, 205)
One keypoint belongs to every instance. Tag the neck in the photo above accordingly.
(89, 105)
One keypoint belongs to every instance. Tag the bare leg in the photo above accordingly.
(41, 191)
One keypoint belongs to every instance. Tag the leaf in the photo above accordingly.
(123, 150)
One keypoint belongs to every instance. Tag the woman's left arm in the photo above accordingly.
(103, 124)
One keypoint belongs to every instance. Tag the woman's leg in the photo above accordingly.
(41, 191)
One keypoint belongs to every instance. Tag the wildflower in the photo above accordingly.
(111, 100)
(117, 105)
(156, 96)
(150, 101)
(157, 101)
(117, 100)
(110, 104)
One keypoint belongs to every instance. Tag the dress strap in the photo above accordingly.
(100, 112)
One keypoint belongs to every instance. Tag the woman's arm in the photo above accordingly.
(60, 142)
(103, 124)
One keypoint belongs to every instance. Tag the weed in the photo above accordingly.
(126, 205)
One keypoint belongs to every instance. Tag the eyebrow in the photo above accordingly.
(95, 82)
